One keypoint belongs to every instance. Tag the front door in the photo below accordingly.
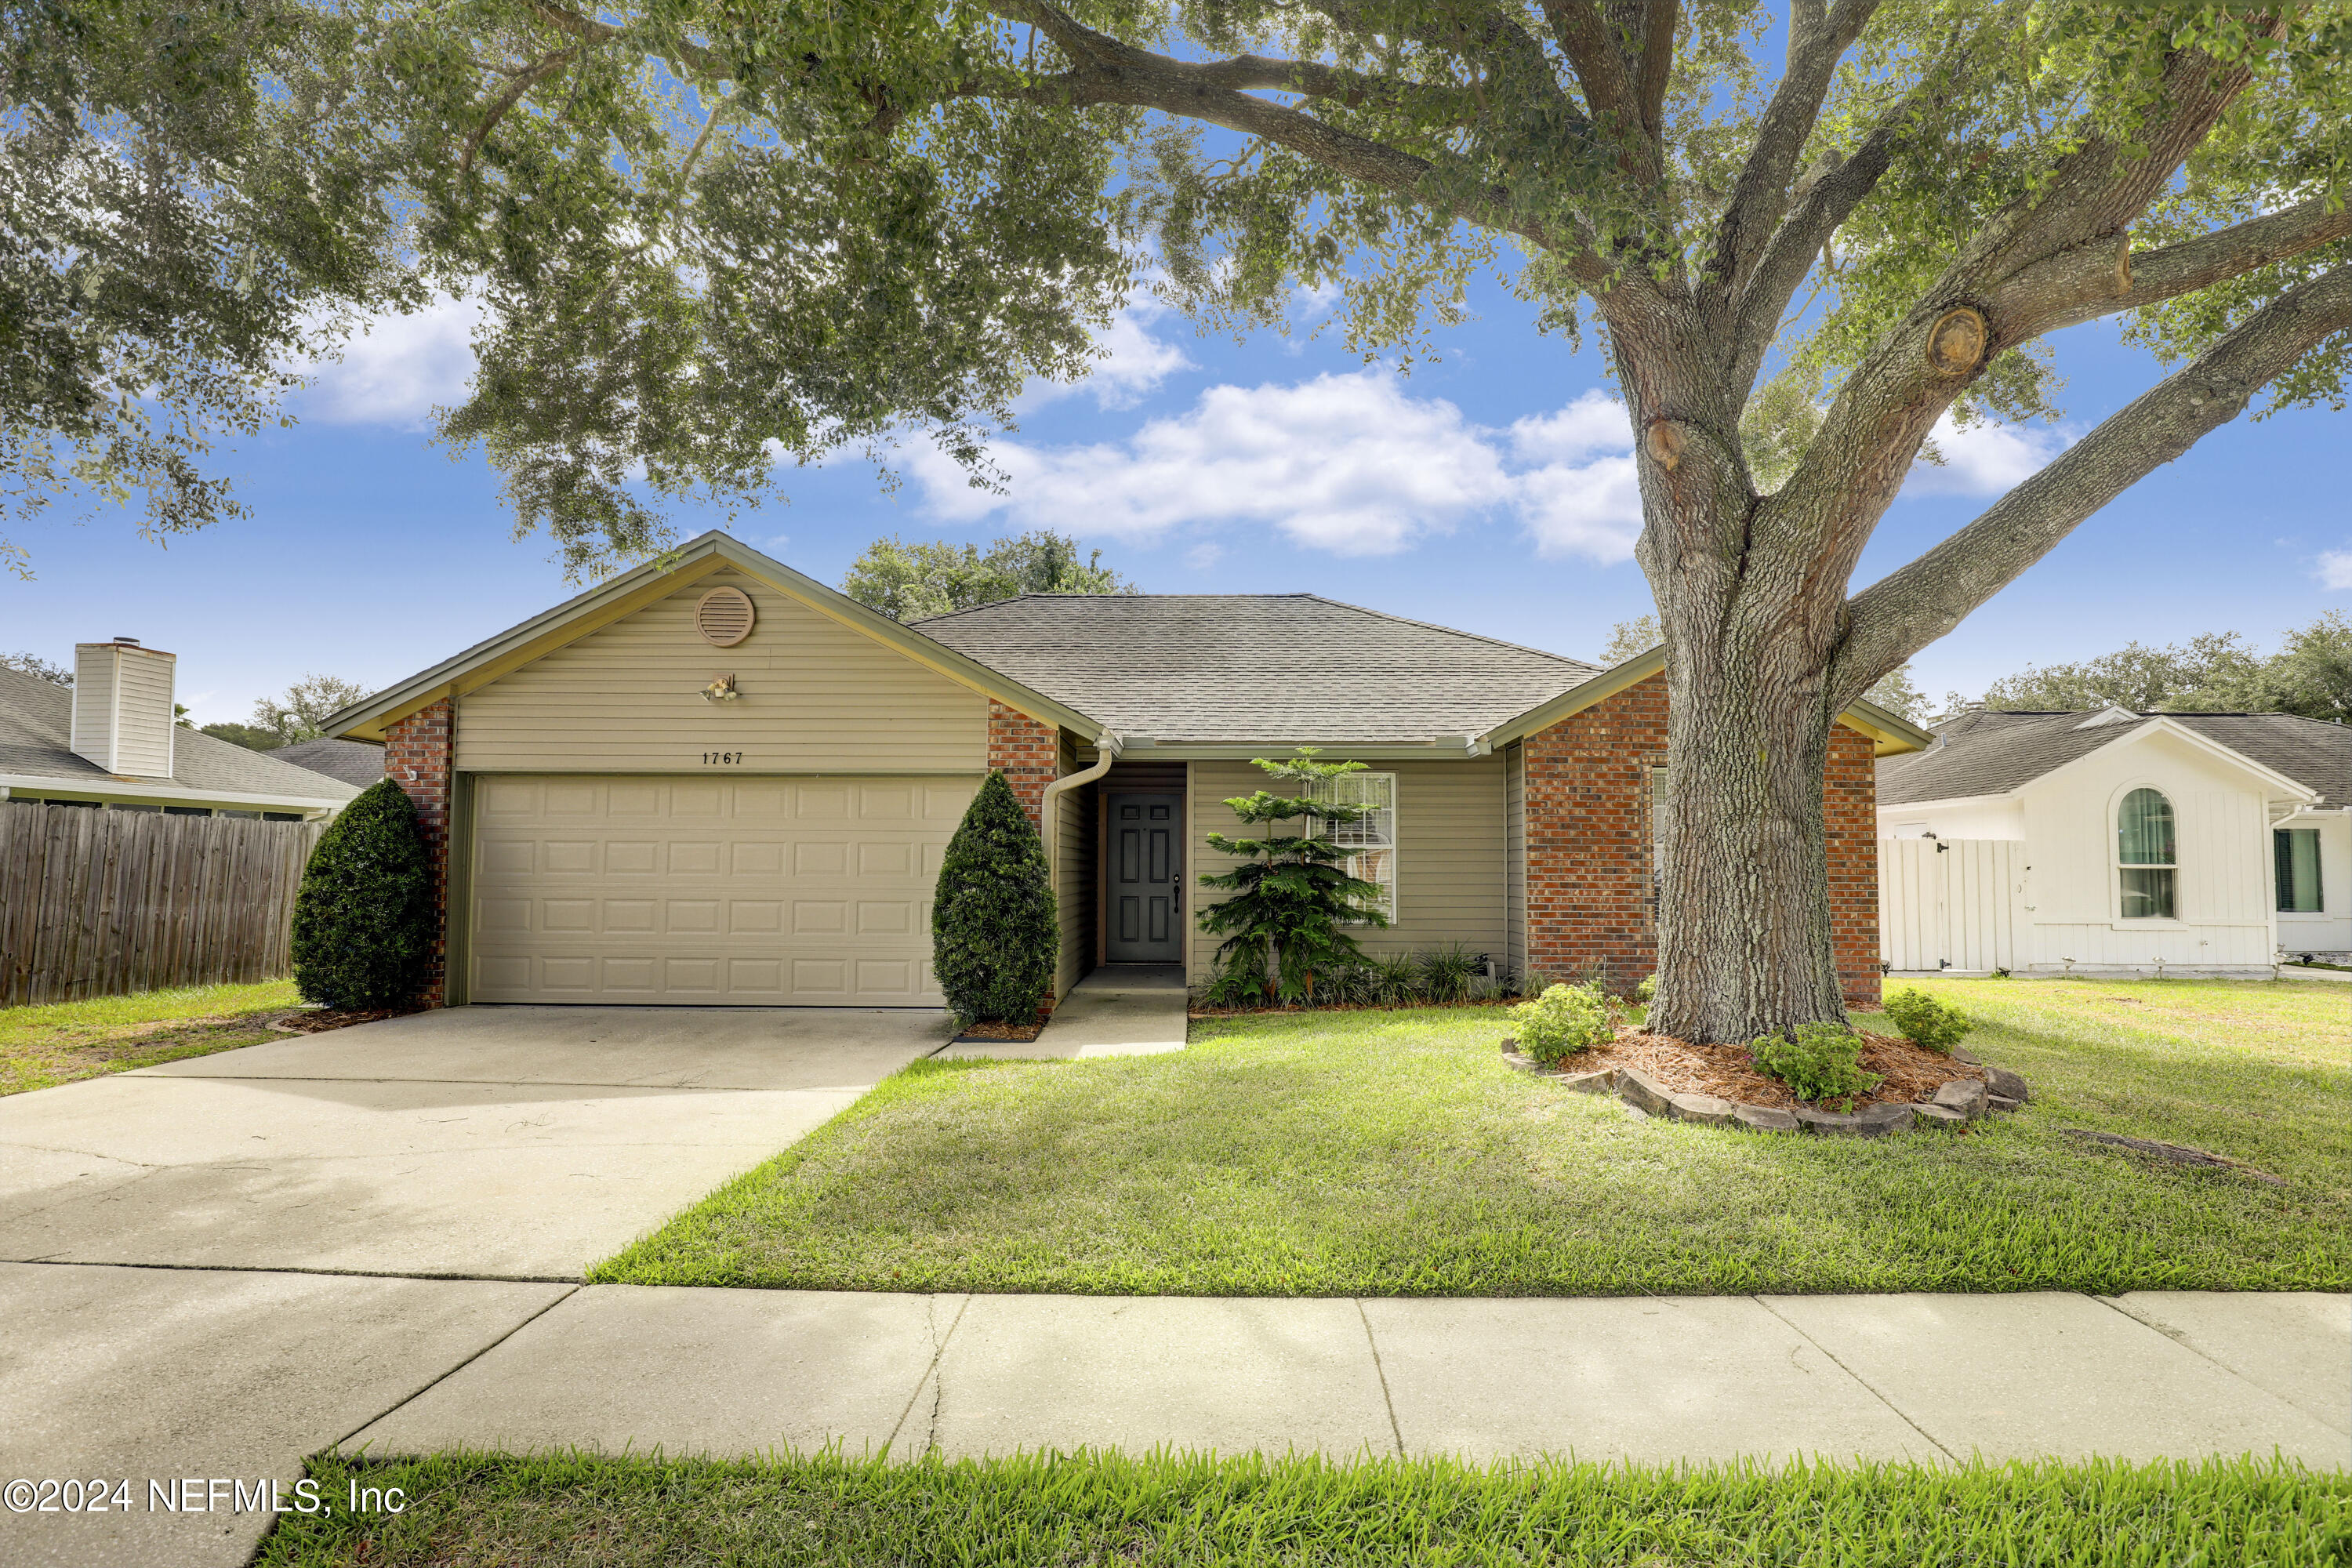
(1147, 881)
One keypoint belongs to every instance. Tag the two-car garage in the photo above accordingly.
(753, 891)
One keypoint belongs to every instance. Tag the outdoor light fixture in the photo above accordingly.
(721, 689)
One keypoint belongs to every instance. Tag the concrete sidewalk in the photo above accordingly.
(1933, 1379)
(1118, 1010)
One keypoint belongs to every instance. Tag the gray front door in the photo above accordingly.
(1147, 879)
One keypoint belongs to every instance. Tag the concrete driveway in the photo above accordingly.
(178, 1243)
(488, 1143)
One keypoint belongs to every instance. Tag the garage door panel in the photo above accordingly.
(683, 891)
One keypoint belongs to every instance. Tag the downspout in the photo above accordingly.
(1049, 804)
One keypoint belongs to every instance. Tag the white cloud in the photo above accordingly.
(1984, 459)
(2336, 569)
(1344, 463)
(1133, 364)
(398, 368)
(1204, 556)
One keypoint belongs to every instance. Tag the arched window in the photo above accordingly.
(2144, 849)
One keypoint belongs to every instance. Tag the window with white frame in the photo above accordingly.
(1371, 839)
(1662, 795)
(2145, 865)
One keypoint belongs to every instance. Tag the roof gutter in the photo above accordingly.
(1049, 805)
(143, 792)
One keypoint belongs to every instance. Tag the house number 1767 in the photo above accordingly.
(722, 756)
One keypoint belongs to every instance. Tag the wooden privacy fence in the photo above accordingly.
(101, 903)
(1951, 903)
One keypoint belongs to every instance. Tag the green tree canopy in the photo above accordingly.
(2310, 674)
(908, 582)
(188, 204)
(300, 712)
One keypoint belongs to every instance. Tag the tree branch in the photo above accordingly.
(590, 31)
(1583, 37)
(1910, 608)
(2102, 278)
(1111, 71)
(1822, 203)
(1658, 36)
(2100, 189)
(1761, 194)
(531, 76)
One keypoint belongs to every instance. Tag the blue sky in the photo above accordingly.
(1489, 490)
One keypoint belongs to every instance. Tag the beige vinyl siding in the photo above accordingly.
(1450, 864)
(1515, 860)
(818, 696)
(1074, 891)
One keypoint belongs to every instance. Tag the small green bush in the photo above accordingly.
(363, 916)
(1648, 990)
(1562, 1021)
(1448, 973)
(1822, 1064)
(1926, 1022)
(993, 933)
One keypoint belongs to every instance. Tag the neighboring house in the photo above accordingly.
(714, 780)
(357, 763)
(2119, 842)
(110, 740)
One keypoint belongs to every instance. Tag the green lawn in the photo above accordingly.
(61, 1041)
(1394, 1153)
(1095, 1508)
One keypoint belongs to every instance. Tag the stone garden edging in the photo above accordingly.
(1962, 1099)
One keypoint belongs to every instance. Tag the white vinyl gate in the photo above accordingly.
(1951, 903)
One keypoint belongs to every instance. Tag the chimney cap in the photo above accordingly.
(132, 641)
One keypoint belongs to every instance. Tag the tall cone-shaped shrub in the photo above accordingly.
(364, 917)
(992, 928)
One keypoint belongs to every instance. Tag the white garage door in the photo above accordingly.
(811, 892)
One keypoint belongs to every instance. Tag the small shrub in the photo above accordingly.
(1648, 990)
(1562, 1021)
(1449, 973)
(363, 916)
(1927, 1021)
(1822, 1063)
(1234, 985)
(992, 927)
(1394, 980)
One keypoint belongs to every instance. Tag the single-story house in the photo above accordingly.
(111, 739)
(2117, 843)
(357, 763)
(713, 780)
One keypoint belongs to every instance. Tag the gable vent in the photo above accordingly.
(723, 616)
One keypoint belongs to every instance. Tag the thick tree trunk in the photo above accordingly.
(1751, 631)
(1744, 924)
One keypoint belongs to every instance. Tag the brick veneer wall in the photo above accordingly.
(1849, 803)
(1588, 834)
(1029, 755)
(417, 756)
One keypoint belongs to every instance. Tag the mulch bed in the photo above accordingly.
(1348, 1008)
(997, 1029)
(319, 1020)
(1724, 1071)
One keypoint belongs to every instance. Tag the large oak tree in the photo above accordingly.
(715, 235)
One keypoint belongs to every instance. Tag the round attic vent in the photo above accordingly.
(723, 616)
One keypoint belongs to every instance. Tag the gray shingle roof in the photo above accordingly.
(357, 763)
(1992, 753)
(36, 723)
(1255, 668)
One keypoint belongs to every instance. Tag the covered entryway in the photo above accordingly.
(694, 890)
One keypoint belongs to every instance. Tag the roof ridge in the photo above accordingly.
(1451, 631)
